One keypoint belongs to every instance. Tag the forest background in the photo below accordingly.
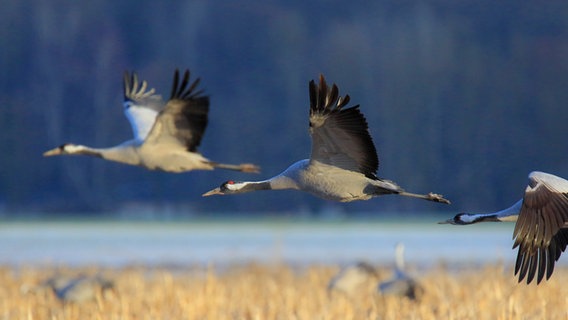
(463, 98)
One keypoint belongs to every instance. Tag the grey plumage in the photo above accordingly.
(541, 229)
(354, 279)
(343, 161)
(401, 284)
(166, 134)
(77, 289)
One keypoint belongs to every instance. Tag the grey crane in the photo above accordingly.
(353, 279)
(83, 288)
(401, 284)
(541, 229)
(166, 134)
(76, 289)
(343, 161)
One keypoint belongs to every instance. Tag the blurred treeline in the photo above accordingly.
(463, 98)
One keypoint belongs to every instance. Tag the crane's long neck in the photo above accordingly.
(279, 182)
(77, 149)
(399, 258)
(124, 153)
(250, 186)
(509, 214)
(285, 180)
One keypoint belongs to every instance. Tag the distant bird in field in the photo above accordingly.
(401, 284)
(354, 279)
(541, 231)
(166, 134)
(343, 161)
(78, 289)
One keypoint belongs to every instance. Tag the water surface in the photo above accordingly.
(219, 243)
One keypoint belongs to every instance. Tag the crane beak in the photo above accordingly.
(212, 192)
(52, 152)
(449, 221)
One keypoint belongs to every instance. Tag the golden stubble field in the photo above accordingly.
(256, 291)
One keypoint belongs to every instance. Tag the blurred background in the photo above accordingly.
(463, 98)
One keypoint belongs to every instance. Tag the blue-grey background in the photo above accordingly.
(463, 98)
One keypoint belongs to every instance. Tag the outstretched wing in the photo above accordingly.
(184, 118)
(141, 106)
(340, 137)
(540, 231)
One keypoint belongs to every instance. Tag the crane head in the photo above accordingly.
(458, 219)
(226, 187)
(470, 218)
(67, 148)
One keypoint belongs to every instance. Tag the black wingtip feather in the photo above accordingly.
(183, 85)
(175, 84)
(193, 86)
(551, 259)
(542, 263)
(532, 268)
(522, 263)
(183, 91)
(344, 101)
(322, 93)
(332, 95)
(324, 99)
(313, 96)
(126, 84)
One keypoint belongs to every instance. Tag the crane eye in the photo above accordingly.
(226, 186)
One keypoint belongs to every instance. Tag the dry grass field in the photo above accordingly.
(281, 292)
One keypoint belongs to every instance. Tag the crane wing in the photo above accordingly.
(340, 137)
(184, 118)
(141, 106)
(540, 231)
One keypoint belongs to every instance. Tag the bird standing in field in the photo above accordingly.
(343, 161)
(76, 289)
(83, 288)
(401, 284)
(541, 229)
(166, 134)
(354, 279)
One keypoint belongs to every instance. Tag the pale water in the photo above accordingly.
(118, 244)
